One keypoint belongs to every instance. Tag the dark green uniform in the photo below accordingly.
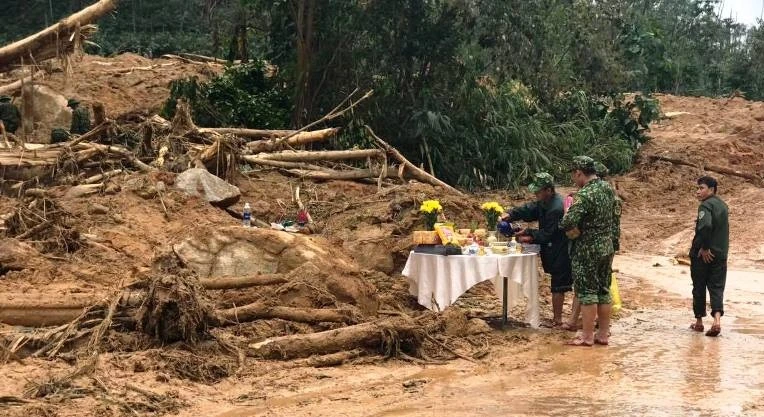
(711, 232)
(554, 244)
(594, 212)
(9, 114)
(80, 121)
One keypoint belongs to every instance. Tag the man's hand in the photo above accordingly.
(521, 232)
(573, 233)
(525, 239)
(504, 216)
(706, 255)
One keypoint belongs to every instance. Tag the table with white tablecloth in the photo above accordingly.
(437, 280)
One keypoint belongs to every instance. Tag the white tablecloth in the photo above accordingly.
(443, 279)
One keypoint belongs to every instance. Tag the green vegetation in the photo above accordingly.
(481, 92)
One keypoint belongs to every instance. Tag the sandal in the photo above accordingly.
(569, 327)
(714, 331)
(600, 342)
(578, 342)
(696, 327)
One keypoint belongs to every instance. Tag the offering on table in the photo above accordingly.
(446, 233)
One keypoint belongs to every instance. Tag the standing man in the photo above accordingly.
(80, 118)
(708, 255)
(547, 210)
(589, 222)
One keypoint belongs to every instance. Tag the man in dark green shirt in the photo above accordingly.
(548, 211)
(708, 255)
(80, 118)
(9, 114)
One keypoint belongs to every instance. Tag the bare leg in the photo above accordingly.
(558, 299)
(575, 311)
(603, 314)
(589, 313)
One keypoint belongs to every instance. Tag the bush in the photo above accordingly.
(243, 96)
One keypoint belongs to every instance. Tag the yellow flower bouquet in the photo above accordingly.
(430, 209)
(492, 210)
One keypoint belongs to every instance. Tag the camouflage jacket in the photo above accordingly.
(10, 116)
(80, 121)
(596, 214)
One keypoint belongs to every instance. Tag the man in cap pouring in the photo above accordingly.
(548, 211)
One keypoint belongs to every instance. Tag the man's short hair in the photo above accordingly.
(708, 181)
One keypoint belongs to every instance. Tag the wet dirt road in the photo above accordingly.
(654, 367)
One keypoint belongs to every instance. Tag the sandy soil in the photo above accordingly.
(517, 371)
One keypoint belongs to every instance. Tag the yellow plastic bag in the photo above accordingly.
(615, 294)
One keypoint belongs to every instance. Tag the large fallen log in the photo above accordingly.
(351, 174)
(303, 156)
(298, 139)
(708, 167)
(11, 88)
(229, 283)
(247, 133)
(343, 339)
(259, 311)
(281, 164)
(60, 35)
(415, 171)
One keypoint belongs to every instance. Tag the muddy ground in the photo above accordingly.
(653, 367)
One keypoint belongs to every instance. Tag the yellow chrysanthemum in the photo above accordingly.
(430, 206)
(492, 206)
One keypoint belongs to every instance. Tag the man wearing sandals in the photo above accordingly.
(547, 210)
(590, 224)
(708, 255)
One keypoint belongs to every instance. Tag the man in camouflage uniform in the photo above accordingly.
(602, 172)
(80, 118)
(591, 223)
(9, 114)
(547, 210)
(708, 255)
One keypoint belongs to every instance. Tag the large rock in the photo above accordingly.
(49, 111)
(236, 251)
(197, 182)
(312, 266)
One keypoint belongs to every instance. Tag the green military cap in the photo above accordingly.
(583, 162)
(5, 98)
(540, 181)
(601, 169)
(72, 102)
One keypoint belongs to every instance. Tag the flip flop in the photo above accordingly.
(568, 327)
(600, 342)
(714, 331)
(696, 328)
(578, 342)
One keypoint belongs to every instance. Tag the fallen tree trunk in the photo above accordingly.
(708, 167)
(259, 311)
(229, 283)
(414, 170)
(246, 133)
(337, 340)
(353, 174)
(282, 164)
(37, 46)
(11, 88)
(306, 156)
(203, 58)
(118, 150)
(299, 139)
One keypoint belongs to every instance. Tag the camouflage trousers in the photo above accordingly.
(591, 278)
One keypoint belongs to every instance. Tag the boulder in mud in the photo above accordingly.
(198, 182)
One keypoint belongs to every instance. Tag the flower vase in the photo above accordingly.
(491, 238)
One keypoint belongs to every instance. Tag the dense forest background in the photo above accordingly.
(480, 92)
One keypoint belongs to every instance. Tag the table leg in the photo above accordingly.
(504, 304)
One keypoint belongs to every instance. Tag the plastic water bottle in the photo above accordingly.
(246, 215)
(512, 245)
